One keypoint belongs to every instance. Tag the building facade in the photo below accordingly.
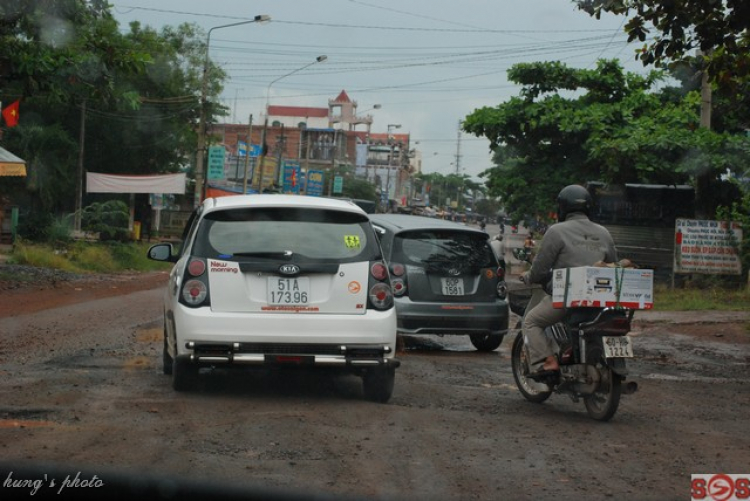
(318, 140)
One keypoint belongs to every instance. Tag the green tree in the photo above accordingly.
(141, 92)
(719, 28)
(615, 129)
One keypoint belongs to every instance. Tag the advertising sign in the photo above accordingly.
(215, 163)
(338, 184)
(315, 183)
(242, 149)
(291, 177)
(710, 247)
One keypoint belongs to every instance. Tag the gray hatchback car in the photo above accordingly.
(445, 278)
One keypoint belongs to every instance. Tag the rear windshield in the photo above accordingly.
(314, 234)
(444, 247)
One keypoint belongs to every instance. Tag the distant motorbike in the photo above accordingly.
(521, 254)
(593, 347)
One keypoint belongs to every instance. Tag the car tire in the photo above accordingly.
(485, 342)
(378, 384)
(184, 374)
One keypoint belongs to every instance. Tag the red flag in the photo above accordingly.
(10, 114)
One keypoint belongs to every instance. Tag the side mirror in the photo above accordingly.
(161, 252)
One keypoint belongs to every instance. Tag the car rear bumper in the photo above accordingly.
(255, 338)
(455, 318)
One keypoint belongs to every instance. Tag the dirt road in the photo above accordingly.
(82, 389)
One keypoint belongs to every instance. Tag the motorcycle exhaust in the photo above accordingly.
(630, 388)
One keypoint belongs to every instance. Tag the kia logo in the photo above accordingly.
(454, 272)
(289, 269)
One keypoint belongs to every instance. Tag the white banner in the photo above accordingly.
(111, 183)
(711, 247)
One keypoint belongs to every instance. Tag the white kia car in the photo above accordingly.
(275, 280)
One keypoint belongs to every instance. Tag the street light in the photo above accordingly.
(376, 107)
(318, 59)
(390, 160)
(392, 126)
(200, 156)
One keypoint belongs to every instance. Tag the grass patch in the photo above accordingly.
(88, 257)
(697, 299)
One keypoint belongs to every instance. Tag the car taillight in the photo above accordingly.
(398, 284)
(501, 273)
(196, 267)
(380, 293)
(378, 271)
(502, 289)
(194, 292)
(398, 269)
(381, 296)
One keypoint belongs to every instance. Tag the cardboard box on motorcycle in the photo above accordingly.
(590, 286)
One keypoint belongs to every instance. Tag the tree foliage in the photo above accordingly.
(575, 125)
(719, 28)
(140, 90)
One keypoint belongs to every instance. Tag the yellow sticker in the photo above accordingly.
(352, 241)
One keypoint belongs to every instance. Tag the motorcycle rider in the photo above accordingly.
(573, 241)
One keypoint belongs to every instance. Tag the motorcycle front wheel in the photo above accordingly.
(530, 389)
(603, 404)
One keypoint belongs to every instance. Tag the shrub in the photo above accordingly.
(109, 219)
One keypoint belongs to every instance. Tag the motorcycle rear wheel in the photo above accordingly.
(530, 389)
(603, 404)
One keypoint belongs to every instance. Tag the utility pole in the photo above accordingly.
(703, 180)
(79, 174)
(458, 164)
(458, 149)
(247, 154)
(280, 148)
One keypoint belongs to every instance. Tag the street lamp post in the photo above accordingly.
(367, 162)
(318, 59)
(390, 160)
(200, 154)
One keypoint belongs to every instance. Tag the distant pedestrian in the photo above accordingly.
(498, 247)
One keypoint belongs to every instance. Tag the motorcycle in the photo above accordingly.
(592, 349)
(521, 254)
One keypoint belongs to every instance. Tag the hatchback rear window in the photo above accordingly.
(314, 234)
(443, 247)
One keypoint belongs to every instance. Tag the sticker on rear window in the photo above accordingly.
(352, 241)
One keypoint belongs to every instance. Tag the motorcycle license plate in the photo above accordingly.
(617, 346)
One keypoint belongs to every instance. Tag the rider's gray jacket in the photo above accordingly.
(577, 241)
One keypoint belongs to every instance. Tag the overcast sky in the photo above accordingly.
(428, 63)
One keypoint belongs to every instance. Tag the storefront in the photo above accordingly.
(10, 166)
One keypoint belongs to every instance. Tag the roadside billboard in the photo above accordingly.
(710, 247)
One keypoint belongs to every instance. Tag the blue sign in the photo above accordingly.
(215, 162)
(338, 184)
(315, 183)
(292, 181)
(242, 149)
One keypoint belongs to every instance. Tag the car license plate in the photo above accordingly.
(617, 346)
(291, 291)
(452, 286)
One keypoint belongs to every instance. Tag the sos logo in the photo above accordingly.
(719, 487)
